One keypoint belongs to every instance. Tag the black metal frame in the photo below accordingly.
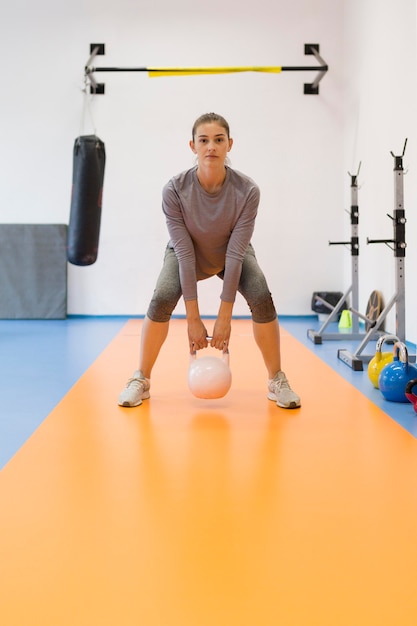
(98, 49)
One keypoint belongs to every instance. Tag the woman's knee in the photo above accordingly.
(167, 291)
(263, 311)
(162, 306)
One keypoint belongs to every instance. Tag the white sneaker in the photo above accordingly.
(279, 390)
(136, 390)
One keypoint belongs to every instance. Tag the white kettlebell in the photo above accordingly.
(209, 377)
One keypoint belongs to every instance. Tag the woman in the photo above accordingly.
(210, 213)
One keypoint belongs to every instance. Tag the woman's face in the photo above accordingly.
(211, 144)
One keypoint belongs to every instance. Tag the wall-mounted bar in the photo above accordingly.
(309, 88)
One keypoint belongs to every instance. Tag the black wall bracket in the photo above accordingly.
(313, 88)
(96, 49)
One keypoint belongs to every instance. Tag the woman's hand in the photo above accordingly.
(197, 335)
(197, 332)
(221, 334)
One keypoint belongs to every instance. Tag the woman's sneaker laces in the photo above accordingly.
(280, 391)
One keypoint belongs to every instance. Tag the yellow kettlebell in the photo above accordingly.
(381, 359)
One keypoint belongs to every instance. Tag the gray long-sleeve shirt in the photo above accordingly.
(210, 232)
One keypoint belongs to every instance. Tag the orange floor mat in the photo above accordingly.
(229, 512)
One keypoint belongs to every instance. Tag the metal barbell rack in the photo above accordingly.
(398, 244)
(318, 336)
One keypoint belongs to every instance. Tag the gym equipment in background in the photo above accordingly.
(33, 271)
(394, 377)
(381, 359)
(398, 244)
(89, 157)
(411, 397)
(98, 49)
(335, 309)
(373, 309)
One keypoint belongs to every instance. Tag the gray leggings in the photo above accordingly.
(252, 286)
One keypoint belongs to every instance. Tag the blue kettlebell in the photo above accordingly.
(394, 377)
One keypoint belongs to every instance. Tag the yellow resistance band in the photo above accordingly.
(191, 71)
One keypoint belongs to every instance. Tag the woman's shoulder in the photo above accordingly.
(240, 178)
(243, 183)
(177, 185)
(181, 180)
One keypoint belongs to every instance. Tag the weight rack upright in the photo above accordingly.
(398, 244)
(318, 336)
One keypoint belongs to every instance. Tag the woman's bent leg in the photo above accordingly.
(152, 340)
(154, 330)
(254, 288)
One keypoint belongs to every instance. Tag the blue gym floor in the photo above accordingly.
(42, 359)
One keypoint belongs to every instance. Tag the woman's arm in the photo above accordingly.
(181, 241)
(223, 326)
(197, 332)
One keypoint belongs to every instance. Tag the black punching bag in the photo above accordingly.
(89, 159)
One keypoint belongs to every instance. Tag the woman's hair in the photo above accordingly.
(208, 118)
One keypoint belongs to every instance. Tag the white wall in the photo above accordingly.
(380, 113)
(291, 144)
(298, 148)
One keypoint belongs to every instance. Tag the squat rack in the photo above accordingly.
(98, 49)
(398, 245)
(318, 336)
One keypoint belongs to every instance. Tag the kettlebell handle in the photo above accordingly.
(385, 338)
(401, 352)
(225, 353)
(209, 338)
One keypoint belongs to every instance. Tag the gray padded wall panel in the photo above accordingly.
(33, 271)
